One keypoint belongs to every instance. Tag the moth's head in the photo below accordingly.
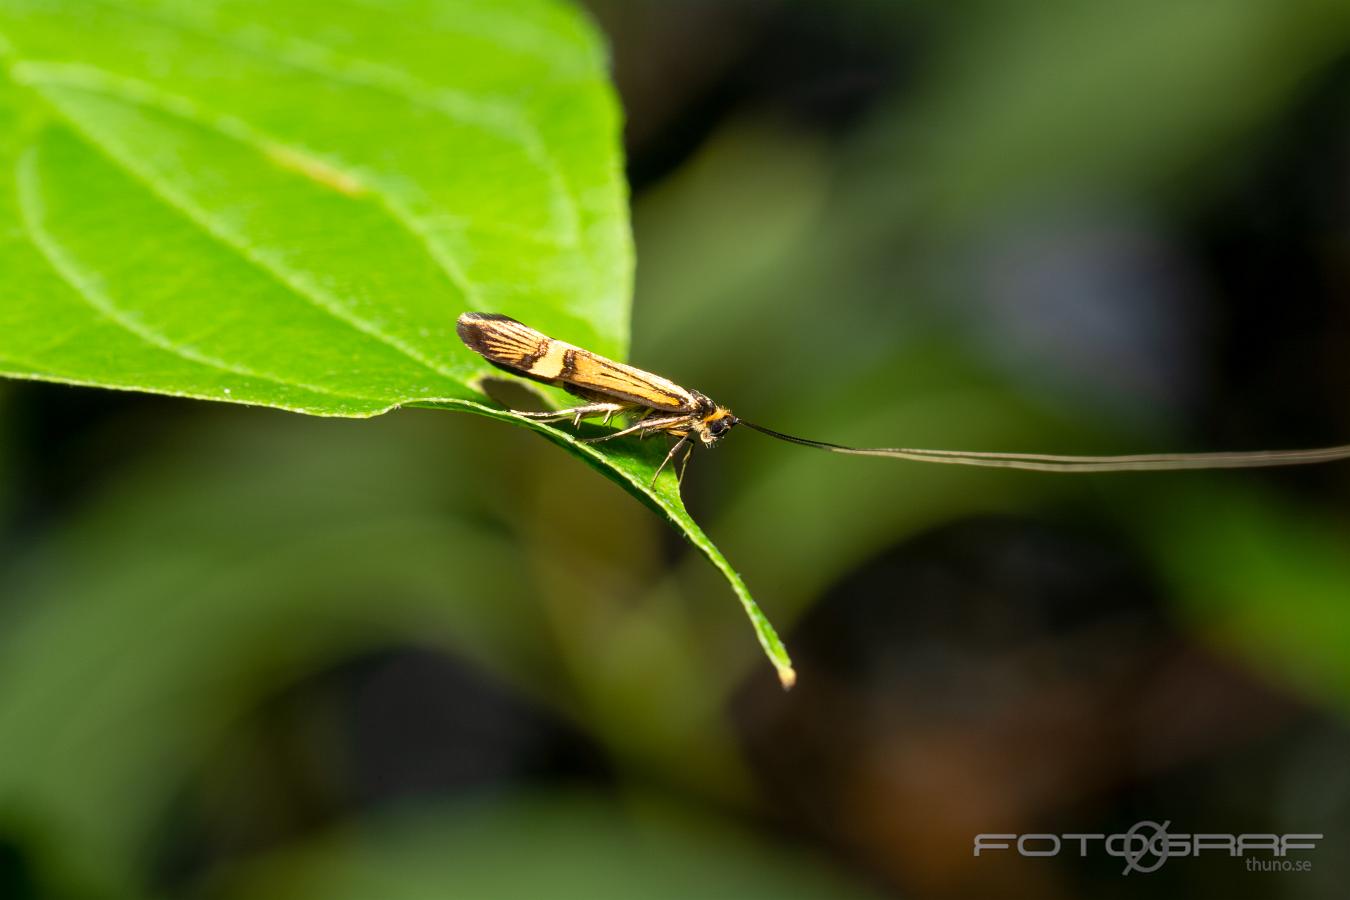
(712, 427)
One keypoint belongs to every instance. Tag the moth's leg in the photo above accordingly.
(684, 463)
(671, 455)
(646, 425)
(577, 413)
(621, 408)
(669, 425)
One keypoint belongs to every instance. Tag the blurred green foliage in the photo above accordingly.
(576, 847)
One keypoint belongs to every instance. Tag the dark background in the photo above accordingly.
(426, 655)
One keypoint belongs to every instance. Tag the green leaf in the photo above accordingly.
(239, 200)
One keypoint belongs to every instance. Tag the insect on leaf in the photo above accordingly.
(211, 200)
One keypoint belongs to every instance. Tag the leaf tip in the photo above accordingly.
(788, 676)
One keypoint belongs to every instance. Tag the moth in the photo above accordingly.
(660, 406)
(610, 388)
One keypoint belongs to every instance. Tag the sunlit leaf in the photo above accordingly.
(235, 200)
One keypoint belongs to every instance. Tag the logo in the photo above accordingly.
(1147, 845)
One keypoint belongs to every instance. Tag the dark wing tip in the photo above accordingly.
(470, 330)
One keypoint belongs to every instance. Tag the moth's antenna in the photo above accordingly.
(1038, 462)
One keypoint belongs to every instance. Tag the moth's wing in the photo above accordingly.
(605, 376)
(520, 349)
(502, 340)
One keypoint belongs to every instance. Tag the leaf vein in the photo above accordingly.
(486, 112)
(293, 281)
(32, 214)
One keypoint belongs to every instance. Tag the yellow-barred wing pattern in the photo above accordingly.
(518, 348)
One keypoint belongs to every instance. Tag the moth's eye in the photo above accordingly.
(718, 427)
